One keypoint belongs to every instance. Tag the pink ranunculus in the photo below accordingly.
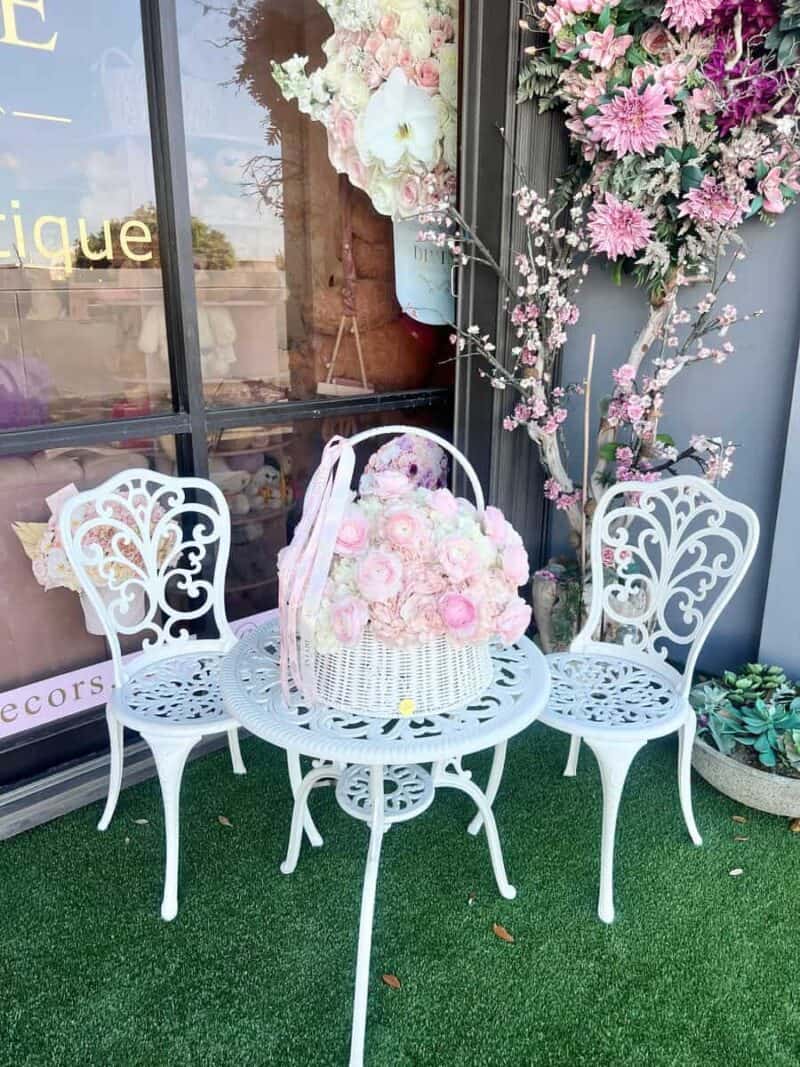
(404, 527)
(656, 40)
(443, 501)
(390, 484)
(353, 536)
(515, 564)
(427, 74)
(459, 557)
(495, 525)
(344, 129)
(349, 616)
(410, 192)
(459, 614)
(379, 575)
(513, 621)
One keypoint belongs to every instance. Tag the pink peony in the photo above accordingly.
(443, 501)
(353, 536)
(513, 621)
(515, 564)
(495, 525)
(379, 575)
(714, 202)
(685, 15)
(604, 49)
(459, 557)
(349, 616)
(633, 121)
(459, 614)
(404, 527)
(618, 228)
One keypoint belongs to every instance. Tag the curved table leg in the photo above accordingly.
(295, 779)
(377, 829)
(457, 781)
(301, 818)
(495, 777)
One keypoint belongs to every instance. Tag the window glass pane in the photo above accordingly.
(278, 233)
(81, 308)
(50, 667)
(264, 472)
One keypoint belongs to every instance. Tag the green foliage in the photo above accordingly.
(785, 36)
(538, 79)
(755, 707)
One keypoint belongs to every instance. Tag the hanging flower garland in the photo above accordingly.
(682, 117)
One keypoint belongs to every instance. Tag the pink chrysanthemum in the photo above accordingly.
(618, 228)
(683, 15)
(716, 203)
(633, 121)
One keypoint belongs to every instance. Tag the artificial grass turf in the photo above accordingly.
(700, 967)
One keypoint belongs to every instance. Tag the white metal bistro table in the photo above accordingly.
(377, 764)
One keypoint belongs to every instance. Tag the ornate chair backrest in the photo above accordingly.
(666, 559)
(150, 552)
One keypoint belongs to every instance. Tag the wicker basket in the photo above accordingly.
(373, 678)
(376, 679)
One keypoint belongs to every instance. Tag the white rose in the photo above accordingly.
(384, 193)
(353, 91)
(414, 22)
(419, 44)
(399, 7)
(450, 143)
(448, 74)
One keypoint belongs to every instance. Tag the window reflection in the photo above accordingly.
(260, 173)
(79, 263)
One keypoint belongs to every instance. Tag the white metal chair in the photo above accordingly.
(666, 559)
(150, 552)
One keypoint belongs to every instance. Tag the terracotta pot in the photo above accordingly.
(757, 789)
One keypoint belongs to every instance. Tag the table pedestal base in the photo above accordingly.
(382, 795)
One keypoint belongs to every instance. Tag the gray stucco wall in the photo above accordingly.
(746, 400)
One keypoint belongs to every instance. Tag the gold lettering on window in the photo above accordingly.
(8, 20)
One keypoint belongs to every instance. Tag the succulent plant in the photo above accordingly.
(764, 726)
(791, 749)
(752, 682)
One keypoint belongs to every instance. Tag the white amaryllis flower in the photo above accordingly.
(400, 119)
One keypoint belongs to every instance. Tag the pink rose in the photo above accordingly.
(374, 42)
(353, 536)
(391, 484)
(495, 525)
(459, 614)
(379, 575)
(349, 616)
(344, 129)
(443, 501)
(656, 41)
(388, 25)
(441, 24)
(515, 564)
(404, 527)
(427, 73)
(393, 53)
(460, 558)
(513, 621)
(356, 171)
(409, 192)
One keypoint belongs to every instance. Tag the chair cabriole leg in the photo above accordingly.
(614, 759)
(170, 754)
(115, 737)
(571, 768)
(236, 753)
(685, 744)
(295, 779)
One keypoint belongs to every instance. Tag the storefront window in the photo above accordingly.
(81, 306)
(288, 252)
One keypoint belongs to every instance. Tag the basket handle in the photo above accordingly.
(469, 470)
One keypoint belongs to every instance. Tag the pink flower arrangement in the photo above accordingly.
(422, 462)
(618, 229)
(421, 565)
(632, 121)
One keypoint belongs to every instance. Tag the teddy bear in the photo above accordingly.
(232, 483)
(264, 487)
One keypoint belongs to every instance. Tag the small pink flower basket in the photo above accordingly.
(390, 600)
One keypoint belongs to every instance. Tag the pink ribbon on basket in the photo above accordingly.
(304, 565)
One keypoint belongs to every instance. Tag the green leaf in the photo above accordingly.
(616, 272)
(665, 439)
(689, 152)
(761, 170)
(673, 154)
(755, 206)
(605, 18)
(608, 451)
(691, 177)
